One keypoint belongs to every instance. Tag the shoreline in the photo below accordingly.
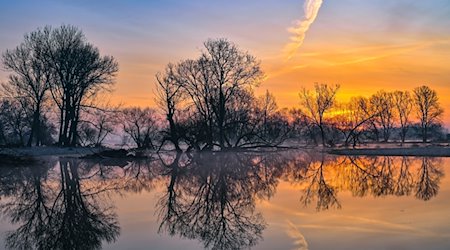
(433, 151)
(79, 152)
(50, 151)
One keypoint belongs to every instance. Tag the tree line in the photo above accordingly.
(382, 117)
(205, 103)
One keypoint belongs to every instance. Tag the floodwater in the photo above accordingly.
(285, 200)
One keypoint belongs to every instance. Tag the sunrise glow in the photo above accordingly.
(362, 45)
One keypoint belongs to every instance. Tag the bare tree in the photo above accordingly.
(169, 97)
(141, 125)
(273, 125)
(428, 109)
(231, 70)
(403, 105)
(268, 107)
(14, 122)
(301, 127)
(96, 125)
(354, 119)
(318, 103)
(30, 76)
(211, 86)
(383, 106)
(79, 73)
(195, 78)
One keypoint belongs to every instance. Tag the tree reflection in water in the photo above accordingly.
(59, 212)
(429, 176)
(318, 187)
(210, 197)
(324, 175)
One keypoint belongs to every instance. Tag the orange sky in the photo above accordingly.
(364, 46)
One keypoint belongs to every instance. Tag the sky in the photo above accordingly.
(364, 46)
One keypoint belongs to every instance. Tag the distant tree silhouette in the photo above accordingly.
(97, 124)
(14, 122)
(355, 120)
(272, 125)
(141, 125)
(383, 107)
(317, 104)
(428, 109)
(403, 104)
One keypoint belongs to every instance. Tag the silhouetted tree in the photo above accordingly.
(96, 125)
(79, 72)
(268, 107)
(231, 70)
(403, 105)
(273, 125)
(30, 77)
(428, 109)
(14, 122)
(318, 103)
(169, 96)
(301, 127)
(383, 106)
(357, 119)
(142, 126)
(214, 87)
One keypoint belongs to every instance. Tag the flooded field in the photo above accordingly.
(286, 200)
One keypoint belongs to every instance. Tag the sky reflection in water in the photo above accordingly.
(286, 200)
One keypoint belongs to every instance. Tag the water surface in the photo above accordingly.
(287, 200)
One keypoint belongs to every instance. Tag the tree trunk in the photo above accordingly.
(173, 132)
(35, 128)
(322, 134)
(425, 134)
(221, 119)
(403, 134)
(73, 133)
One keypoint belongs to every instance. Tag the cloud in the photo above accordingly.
(311, 9)
(299, 239)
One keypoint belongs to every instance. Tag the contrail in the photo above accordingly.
(311, 9)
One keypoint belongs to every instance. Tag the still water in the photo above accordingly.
(287, 200)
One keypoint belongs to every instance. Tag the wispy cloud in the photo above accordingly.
(294, 233)
(311, 9)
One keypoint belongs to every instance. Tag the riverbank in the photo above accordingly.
(102, 152)
(431, 151)
(50, 151)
